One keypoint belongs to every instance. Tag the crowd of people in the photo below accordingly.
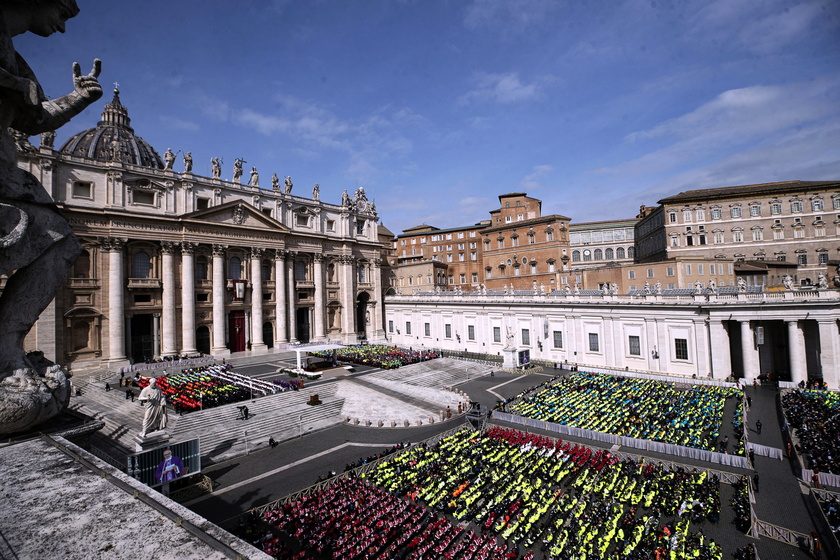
(638, 408)
(815, 418)
(208, 386)
(564, 500)
(385, 357)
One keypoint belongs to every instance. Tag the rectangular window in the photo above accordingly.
(407, 328)
(558, 339)
(712, 270)
(390, 326)
(796, 207)
(716, 214)
(701, 215)
(508, 219)
(330, 225)
(447, 329)
(778, 233)
(650, 273)
(463, 277)
(634, 345)
(823, 258)
(526, 337)
(593, 342)
(672, 217)
(819, 231)
(551, 266)
(669, 271)
(83, 190)
(549, 235)
(460, 235)
(817, 205)
(802, 259)
(486, 245)
(473, 256)
(688, 270)
(718, 237)
(738, 236)
(699, 269)
(799, 233)
(776, 208)
(427, 329)
(755, 210)
(470, 332)
(735, 211)
(631, 274)
(143, 198)
(836, 203)
(533, 269)
(686, 215)
(680, 349)
(497, 334)
(202, 203)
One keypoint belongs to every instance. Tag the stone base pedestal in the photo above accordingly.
(258, 349)
(510, 357)
(222, 352)
(29, 397)
(151, 441)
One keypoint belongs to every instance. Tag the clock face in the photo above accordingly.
(363, 205)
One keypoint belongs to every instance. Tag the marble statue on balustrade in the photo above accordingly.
(188, 162)
(713, 286)
(742, 285)
(168, 159)
(287, 185)
(254, 180)
(48, 139)
(822, 281)
(37, 246)
(215, 167)
(788, 282)
(237, 169)
(613, 288)
(316, 192)
(275, 183)
(345, 199)
(155, 417)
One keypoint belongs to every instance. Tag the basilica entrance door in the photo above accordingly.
(142, 340)
(302, 316)
(236, 331)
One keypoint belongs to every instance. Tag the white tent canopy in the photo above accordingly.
(314, 348)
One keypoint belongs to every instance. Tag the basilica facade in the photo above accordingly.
(176, 264)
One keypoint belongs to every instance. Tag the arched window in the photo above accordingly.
(631, 252)
(331, 273)
(599, 255)
(201, 268)
(362, 273)
(608, 254)
(575, 256)
(619, 253)
(300, 271)
(81, 268)
(587, 255)
(265, 267)
(141, 265)
(235, 268)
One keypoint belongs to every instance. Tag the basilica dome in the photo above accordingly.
(113, 140)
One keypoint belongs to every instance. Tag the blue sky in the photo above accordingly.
(436, 107)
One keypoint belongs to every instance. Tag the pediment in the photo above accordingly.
(236, 214)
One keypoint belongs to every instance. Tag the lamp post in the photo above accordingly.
(201, 399)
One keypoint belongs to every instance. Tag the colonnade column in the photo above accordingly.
(320, 333)
(116, 301)
(347, 281)
(828, 352)
(719, 344)
(188, 299)
(219, 347)
(280, 305)
(257, 342)
(290, 279)
(796, 344)
(170, 347)
(748, 351)
(378, 322)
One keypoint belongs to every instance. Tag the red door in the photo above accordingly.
(236, 331)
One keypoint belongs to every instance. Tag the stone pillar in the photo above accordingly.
(156, 334)
(796, 344)
(116, 301)
(168, 310)
(290, 279)
(378, 320)
(749, 352)
(719, 345)
(188, 299)
(347, 281)
(828, 353)
(281, 334)
(320, 300)
(257, 342)
(219, 347)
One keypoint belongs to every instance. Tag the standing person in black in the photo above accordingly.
(758, 427)
(755, 481)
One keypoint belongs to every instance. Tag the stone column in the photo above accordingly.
(378, 321)
(320, 300)
(156, 334)
(290, 279)
(219, 347)
(828, 352)
(257, 342)
(116, 301)
(749, 352)
(347, 281)
(796, 343)
(188, 299)
(168, 310)
(281, 334)
(719, 344)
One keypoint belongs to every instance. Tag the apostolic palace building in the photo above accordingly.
(176, 263)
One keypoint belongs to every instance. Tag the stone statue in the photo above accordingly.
(647, 288)
(316, 192)
(510, 337)
(254, 180)
(788, 282)
(576, 289)
(614, 288)
(542, 288)
(275, 183)
(168, 159)
(215, 168)
(698, 287)
(605, 289)
(345, 199)
(287, 185)
(567, 289)
(237, 170)
(657, 288)
(713, 286)
(188, 162)
(822, 281)
(534, 285)
(155, 417)
(48, 139)
(742, 285)
(37, 246)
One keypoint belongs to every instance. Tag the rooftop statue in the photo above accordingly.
(287, 185)
(316, 192)
(188, 162)
(37, 246)
(254, 181)
(237, 169)
(216, 167)
(275, 183)
(169, 159)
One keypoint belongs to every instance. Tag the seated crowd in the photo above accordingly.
(208, 386)
(638, 408)
(386, 357)
(815, 418)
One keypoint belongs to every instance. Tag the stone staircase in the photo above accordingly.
(441, 372)
(122, 417)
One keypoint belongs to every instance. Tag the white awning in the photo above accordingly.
(315, 348)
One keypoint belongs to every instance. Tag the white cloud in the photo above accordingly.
(533, 181)
(178, 123)
(508, 16)
(500, 88)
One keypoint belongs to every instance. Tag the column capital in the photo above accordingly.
(318, 257)
(279, 254)
(219, 250)
(113, 244)
(346, 259)
(168, 247)
(188, 248)
(257, 253)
